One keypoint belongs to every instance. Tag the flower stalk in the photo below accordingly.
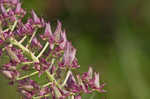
(43, 50)
(33, 35)
(24, 49)
(27, 76)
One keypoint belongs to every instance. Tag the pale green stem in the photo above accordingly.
(16, 43)
(52, 62)
(65, 81)
(13, 27)
(39, 97)
(43, 50)
(72, 97)
(34, 73)
(33, 35)
(22, 40)
(35, 59)
(27, 63)
(45, 85)
(51, 77)
(6, 30)
(23, 64)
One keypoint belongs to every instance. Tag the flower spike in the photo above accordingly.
(36, 52)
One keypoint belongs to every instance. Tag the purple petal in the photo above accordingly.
(57, 33)
(36, 43)
(18, 8)
(48, 31)
(69, 54)
(8, 74)
(64, 40)
(88, 75)
(4, 12)
(42, 22)
(75, 63)
(15, 1)
(96, 80)
(84, 86)
(35, 18)
(48, 35)
(71, 80)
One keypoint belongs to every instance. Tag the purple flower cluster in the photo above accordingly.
(30, 45)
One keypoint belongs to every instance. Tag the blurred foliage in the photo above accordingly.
(111, 35)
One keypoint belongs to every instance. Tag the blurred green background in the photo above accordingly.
(112, 36)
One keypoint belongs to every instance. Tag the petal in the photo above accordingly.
(96, 80)
(18, 8)
(36, 43)
(69, 54)
(75, 63)
(4, 12)
(57, 32)
(35, 17)
(48, 33)
(64, 40)
(90, 73)
(15, 1)
(8, 74)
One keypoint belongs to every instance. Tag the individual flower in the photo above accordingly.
(48, 35)
(28, 88)
(35, 43)
(64, 40)
(60, 36)
(92, 79)
(42, 66)
(72, 84)
(57, 33)
(36, 20)
(19, 11)
(25, 29)
(69, 58)
(10, 74)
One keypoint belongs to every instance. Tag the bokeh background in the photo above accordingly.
(112, 36)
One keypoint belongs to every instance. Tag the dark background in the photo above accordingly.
(112, 36)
